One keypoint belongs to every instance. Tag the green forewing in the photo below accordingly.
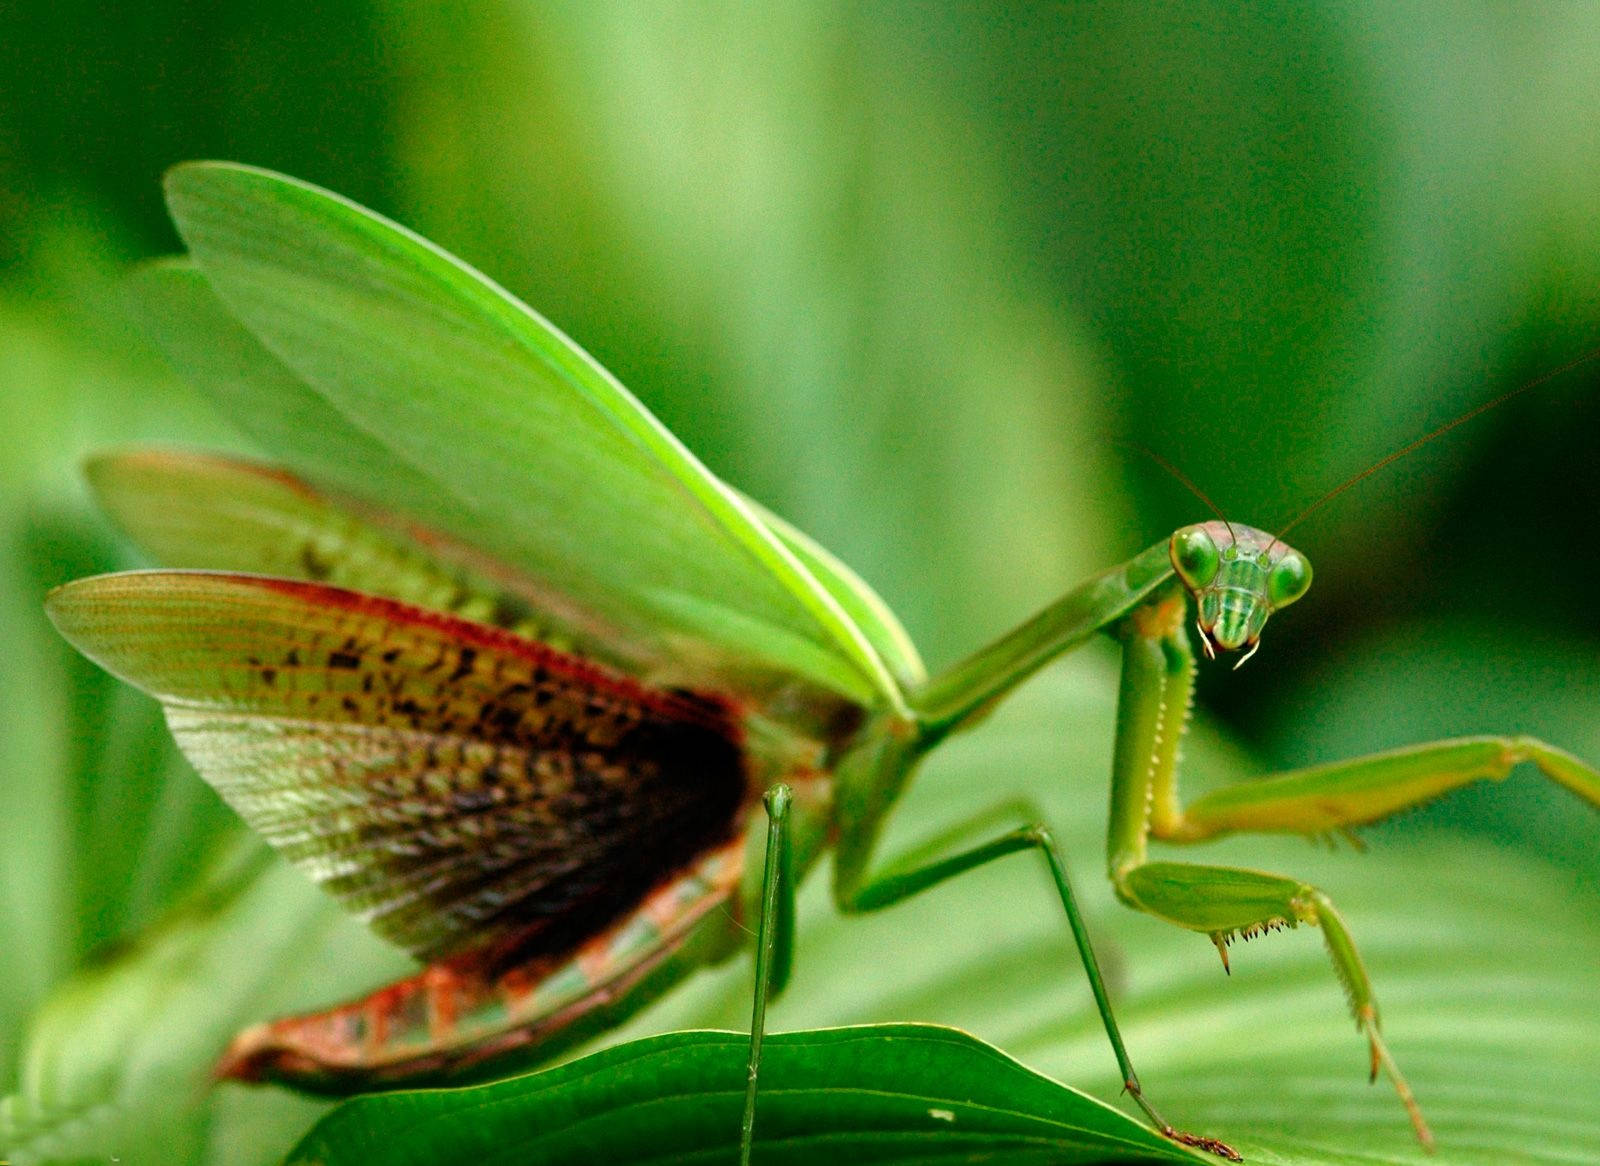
(175, 507)
(533, 452)
(860, 602)
(451, 783)
(214, 351)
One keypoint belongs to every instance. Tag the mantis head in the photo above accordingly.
(1238, 576)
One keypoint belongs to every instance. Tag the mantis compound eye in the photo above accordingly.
(1195, 557)
(1288, 580)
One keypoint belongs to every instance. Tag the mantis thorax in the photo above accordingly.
(1238, 576)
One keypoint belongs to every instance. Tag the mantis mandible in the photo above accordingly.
(503, 666)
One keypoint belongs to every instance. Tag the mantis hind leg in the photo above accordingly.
(1228, 903)
(953, 853)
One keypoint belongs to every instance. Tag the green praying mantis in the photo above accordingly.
(502, 666)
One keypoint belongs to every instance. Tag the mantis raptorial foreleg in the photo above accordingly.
(1226, 902)
(1157, 688)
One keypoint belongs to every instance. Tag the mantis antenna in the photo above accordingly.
(1183, 479)
(1412, 447)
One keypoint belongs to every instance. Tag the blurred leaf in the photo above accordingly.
(83, 860)
(889, 1094)
(1306, 233)
(117, 1064)
(88, 1039)
(307, 89)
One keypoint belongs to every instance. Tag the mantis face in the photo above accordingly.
(1238, 576)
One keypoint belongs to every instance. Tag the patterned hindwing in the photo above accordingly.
(453, 784)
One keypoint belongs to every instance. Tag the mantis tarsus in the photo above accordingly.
(521, 717)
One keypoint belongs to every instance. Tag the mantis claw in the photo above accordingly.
(1221, 1149)
(1227, 904)
(1357, 843)
(1368, 1020)
(1210, 1145)
(1221, 940)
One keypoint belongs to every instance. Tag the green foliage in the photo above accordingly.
(118, 1062)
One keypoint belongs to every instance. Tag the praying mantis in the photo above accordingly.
(505, 668)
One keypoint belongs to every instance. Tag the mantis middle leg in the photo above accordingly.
(951, 854)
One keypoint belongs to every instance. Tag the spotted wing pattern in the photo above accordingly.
(454, 784)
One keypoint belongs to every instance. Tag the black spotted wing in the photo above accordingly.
(452, 783)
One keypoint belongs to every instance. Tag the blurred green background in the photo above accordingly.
(907, 274)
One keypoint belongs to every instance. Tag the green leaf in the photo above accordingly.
(538, 455)
(885, 1094)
